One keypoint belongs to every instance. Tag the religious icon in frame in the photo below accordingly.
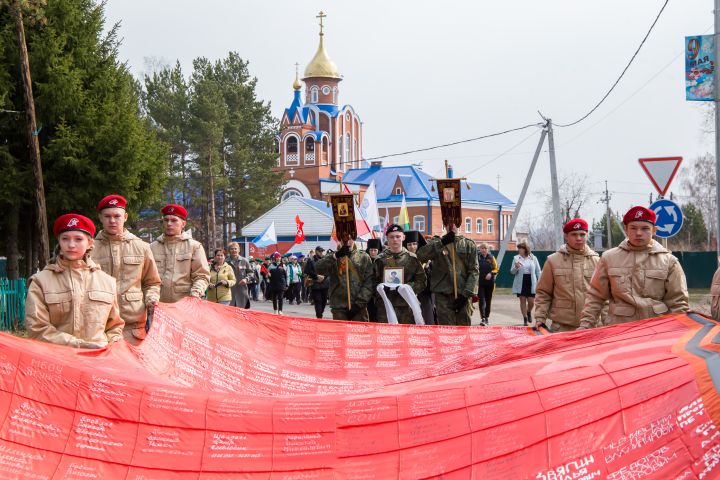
(393, 275)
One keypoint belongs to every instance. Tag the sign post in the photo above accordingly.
(669, 217)
(661, 171)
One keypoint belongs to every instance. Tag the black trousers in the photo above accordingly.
(485, 298)
(320, 297)
(277, 298)
(294, 292)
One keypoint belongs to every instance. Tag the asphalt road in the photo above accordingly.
(505, 310)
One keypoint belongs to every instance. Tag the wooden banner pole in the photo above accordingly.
(347, 281)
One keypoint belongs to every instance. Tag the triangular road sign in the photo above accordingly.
(661, 171)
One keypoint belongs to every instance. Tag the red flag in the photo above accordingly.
(300, 234)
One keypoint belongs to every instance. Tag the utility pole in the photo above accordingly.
(516, 213)
(557, 214)
(33, 144)
(716, 13)
(608, 216)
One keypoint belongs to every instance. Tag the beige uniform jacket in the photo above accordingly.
(639, 282)
(560, 291)
(130, 262)
(182, 265)
(715, 295)
(71, 305)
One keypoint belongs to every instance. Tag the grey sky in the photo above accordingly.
(421, 73)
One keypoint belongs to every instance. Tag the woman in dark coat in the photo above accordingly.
(277, 283)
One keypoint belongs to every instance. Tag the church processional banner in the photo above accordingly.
(221, 393)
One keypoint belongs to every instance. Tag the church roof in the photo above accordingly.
(321, 65)
(418, 185)
(284, 213)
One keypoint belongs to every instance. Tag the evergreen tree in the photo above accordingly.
(93, 137)
(221, 139)
(693, 234)
(616, 229)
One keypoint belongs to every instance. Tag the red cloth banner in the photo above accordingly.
(300, 234)
(216, 392)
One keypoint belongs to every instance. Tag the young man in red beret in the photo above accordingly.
(72, 301)
(129, 260)
(181, 261)
(560, 291)
(640, 278)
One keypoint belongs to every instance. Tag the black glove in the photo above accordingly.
(342, 252)
(449, 237)
(354, 310)
(459, 303)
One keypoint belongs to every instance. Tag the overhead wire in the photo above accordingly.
(622, 74)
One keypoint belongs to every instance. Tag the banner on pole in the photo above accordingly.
(700, 68)
(450, 195)
(343, 208)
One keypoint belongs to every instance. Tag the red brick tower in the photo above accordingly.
(318, 139)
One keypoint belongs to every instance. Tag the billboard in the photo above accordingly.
(700, 68)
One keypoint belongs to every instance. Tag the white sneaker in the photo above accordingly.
(280, 312)
(276, 312)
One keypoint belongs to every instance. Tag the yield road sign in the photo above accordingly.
(661, 171)
(669, 217)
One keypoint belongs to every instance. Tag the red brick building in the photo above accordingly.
(319, 139)
(320, 142)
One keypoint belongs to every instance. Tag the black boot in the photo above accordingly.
(525, 321)
(529, 318)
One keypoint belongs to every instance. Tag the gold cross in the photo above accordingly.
(321, 15)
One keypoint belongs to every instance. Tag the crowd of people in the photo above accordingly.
(101, 288)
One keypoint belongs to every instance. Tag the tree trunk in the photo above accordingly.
(13, 257)
(224, 219)
(212, 234)
(41, 220)
(29, 247)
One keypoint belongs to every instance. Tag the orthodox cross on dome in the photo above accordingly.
(321, 15)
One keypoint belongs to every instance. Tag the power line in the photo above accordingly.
(496, 134)
(621, 74)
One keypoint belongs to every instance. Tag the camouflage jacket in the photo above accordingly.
(413, 272)
(466, 265)
(361, 278)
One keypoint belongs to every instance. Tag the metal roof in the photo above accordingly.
(418, 185)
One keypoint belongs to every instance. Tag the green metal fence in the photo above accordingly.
(699, 267)
(12, 304)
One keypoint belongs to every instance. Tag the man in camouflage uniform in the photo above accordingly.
(395, 256)
(129, 260)
(452, 310)
(336, 266)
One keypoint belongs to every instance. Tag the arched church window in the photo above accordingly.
(309, 145)
(335, 90)
(314, 94)
(290, 193)
(292, 145)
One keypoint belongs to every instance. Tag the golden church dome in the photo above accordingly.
(321, 65)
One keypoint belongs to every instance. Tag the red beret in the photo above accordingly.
(73, 221)
(639, 214)
(112, 201)
(574, 225)
(173, 209)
